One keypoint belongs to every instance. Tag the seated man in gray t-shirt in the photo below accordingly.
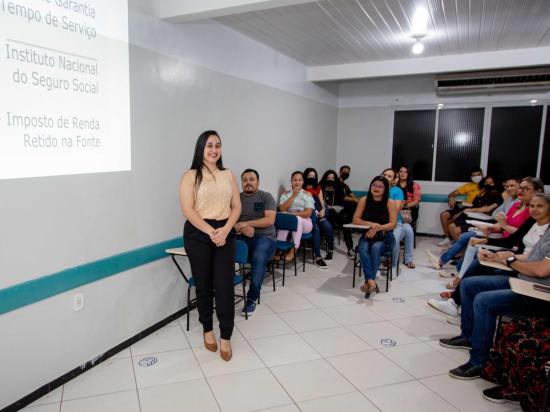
(256, 228)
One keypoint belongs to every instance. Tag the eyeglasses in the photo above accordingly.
(525, 188)
(378, 186)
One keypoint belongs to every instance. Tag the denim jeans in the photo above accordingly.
(469, 256)
(403, 230)
(325, 227)
(371, 251)
(483, 299)
(457, 247)
(260, 250)
(476, 269)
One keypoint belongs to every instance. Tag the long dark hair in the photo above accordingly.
(198, 157)
(409, 187)
(306, 172)
(323, 181)
(385, 196)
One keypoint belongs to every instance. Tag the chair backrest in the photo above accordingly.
(241, 252)
(286, 221)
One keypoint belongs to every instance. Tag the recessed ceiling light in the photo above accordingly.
(533, 101)
(418, 47)
(440, 105)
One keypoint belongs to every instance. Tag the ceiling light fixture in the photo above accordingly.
(440, 105)
(419, 21)
(533, 101)
(418, 47)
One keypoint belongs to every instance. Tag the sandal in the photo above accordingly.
(453, 284)
(447, 294)
(410, 265)
(365, 287)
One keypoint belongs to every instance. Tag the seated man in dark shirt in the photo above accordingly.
(256, 228)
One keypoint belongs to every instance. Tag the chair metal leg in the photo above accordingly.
(273, 275)
(244, 298)
(284, 270)
(304, 258)
(295, 264)
(354, 267)
(188, 307)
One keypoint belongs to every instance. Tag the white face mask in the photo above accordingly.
(476, 179)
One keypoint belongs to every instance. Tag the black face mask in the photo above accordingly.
(329, 183)
(344, 175)
(311, 181)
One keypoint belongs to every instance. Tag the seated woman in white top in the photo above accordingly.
(299, 203)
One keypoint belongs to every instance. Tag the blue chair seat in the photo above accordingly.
(283, 245)
(237, 279)
(192, 282)
(307, 236)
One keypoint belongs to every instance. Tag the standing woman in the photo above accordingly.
(211, 203)
(377, 211)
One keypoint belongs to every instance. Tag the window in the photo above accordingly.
(459, 137)
(514, 144)
(413, 136)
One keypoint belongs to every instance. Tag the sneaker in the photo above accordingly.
(447, 274)
(453, 320)
(250, 308)
(446, 306)
(444, 242)
(328, 255)
(433, 259)
(495, 395)
(467, 371)
(321, 263)
(458, 342)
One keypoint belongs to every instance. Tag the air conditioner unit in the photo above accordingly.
(535, 79)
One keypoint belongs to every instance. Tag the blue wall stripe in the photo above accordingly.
(35, 290)
(32, 291)
(427, 197)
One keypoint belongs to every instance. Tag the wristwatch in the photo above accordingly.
(510, 260)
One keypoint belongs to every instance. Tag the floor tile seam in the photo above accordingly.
(399, 383)
(329, 364)
(437, 394)
(135, 378)
(396, 364)
(205, 378)
(444, 353)
(289, 334)
(385, 320)
(334, 396)
(98, 394)
(138, 355)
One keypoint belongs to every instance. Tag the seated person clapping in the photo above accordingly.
(299, 203)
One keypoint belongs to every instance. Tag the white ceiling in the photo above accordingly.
(348, 31)
(352, 39)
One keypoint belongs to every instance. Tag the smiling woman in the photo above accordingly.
(211, 203)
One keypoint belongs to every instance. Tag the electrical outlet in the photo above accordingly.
(78, 302)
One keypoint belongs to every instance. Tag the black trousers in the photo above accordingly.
(213, 269)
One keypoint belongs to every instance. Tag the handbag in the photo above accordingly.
(406, 215)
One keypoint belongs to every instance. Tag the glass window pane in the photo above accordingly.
(459, 136)
(514, 144)
(413, 136)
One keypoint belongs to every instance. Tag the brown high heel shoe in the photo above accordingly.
(212, 347)
(226, 355)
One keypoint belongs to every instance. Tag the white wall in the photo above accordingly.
(180, 86)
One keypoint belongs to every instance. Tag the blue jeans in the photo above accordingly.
(260, 250)
(325, 227)
(469, 256)
(483, 299)
(457, 247)
(403, 230)
(371, 251)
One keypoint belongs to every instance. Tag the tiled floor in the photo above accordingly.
(314, 345)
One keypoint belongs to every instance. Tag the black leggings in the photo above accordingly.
(213, 269)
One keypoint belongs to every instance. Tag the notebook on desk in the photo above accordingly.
(534, 290)
(496, 265)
